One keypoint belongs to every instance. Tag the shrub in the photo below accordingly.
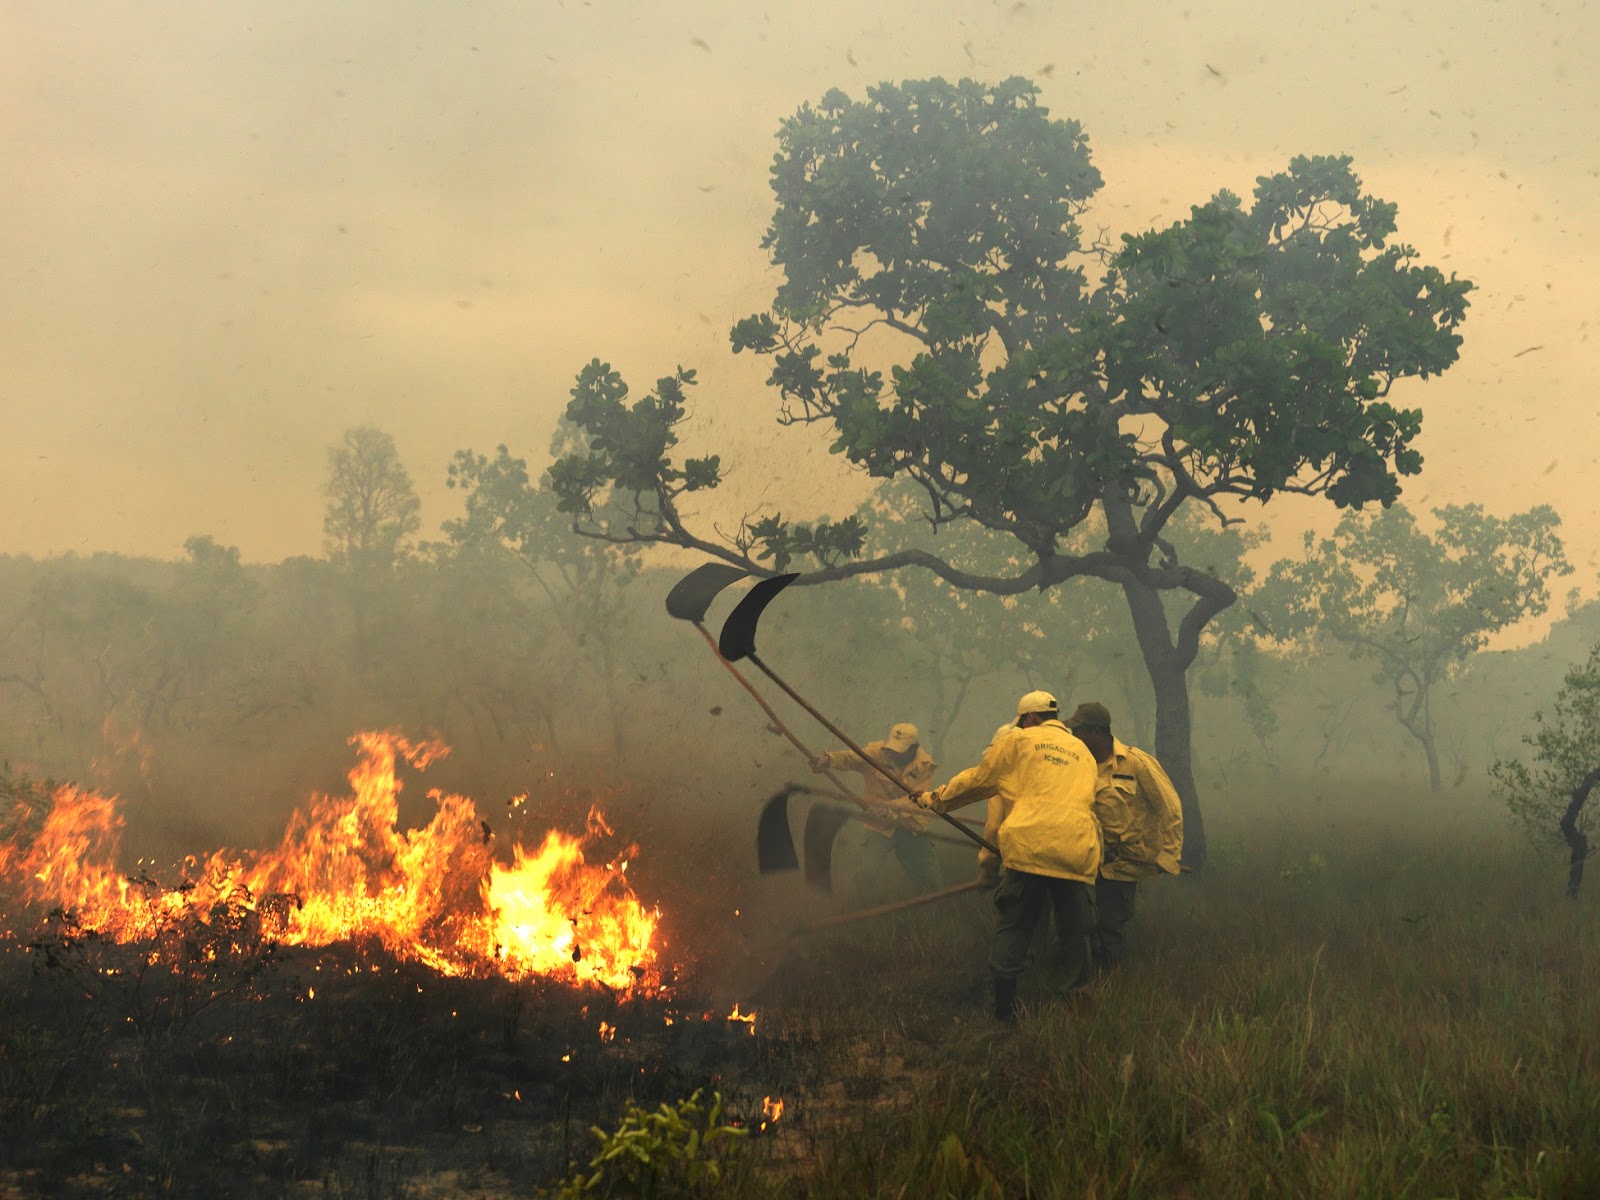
(681, 1149)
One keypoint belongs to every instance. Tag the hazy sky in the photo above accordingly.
(230, 231)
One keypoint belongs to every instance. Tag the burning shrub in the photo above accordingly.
(345, 872)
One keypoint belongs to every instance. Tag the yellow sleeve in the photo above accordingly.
(1171, 804)
(976, 783)
(845, 760)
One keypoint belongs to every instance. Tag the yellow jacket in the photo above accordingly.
(1152, 837)
(877, 791)
(1044, 819)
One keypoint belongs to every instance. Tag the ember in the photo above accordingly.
(345, 872)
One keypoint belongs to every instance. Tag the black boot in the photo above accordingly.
(1005, 999)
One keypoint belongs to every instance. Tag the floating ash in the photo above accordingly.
(345, 872)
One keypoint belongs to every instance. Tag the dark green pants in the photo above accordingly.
(1020, 903)
(918, 858)
(1113, 909)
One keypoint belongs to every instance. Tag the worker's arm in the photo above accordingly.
(1170, 847)
(975, 783)
(838, 760)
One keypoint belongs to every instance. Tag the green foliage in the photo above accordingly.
(372, 511)
(939, 223)
(1278, 1131)
(501, 505)
(680, 1149)
(828, 542)
(1270, 335)
(958, 1174)
(1566, 749)
(1417, 605)
(624, 451)
(1382, 584)
(911, 200)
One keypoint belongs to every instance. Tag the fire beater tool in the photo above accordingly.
(857, 814)
(774, 842)
(738, 641)
(883, 910)
(689, 600)
(775, 845)
(775, 850)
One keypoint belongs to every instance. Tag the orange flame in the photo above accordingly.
(771, 1111)
(749, 1019)
(345, 872)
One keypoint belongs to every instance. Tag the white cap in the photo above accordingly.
(1038, 702)
(902, 737)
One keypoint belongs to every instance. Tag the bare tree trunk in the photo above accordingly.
(1174, 722)
(1418, 720)
(1576, 838)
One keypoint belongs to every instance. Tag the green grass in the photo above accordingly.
(1411, 1014)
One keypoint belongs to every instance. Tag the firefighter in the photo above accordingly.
(1049, 838)
(897, 833)
(1152, 843)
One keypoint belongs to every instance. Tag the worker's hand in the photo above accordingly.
(923, 800)
(989, 872)
(819, 763)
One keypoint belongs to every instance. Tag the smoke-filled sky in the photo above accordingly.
(231, 231)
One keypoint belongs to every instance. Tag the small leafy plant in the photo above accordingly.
(679, 1149)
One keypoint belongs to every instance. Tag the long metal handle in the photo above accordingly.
(864, 756)
(776, 723)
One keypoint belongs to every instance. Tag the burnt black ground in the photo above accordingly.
(267, 1071)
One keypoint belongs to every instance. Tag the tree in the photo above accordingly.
(372, 511)
(1246, 351)
(1417, 606)
(584, 582)
(371, 517)
(1549, 796)
(197, 635)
